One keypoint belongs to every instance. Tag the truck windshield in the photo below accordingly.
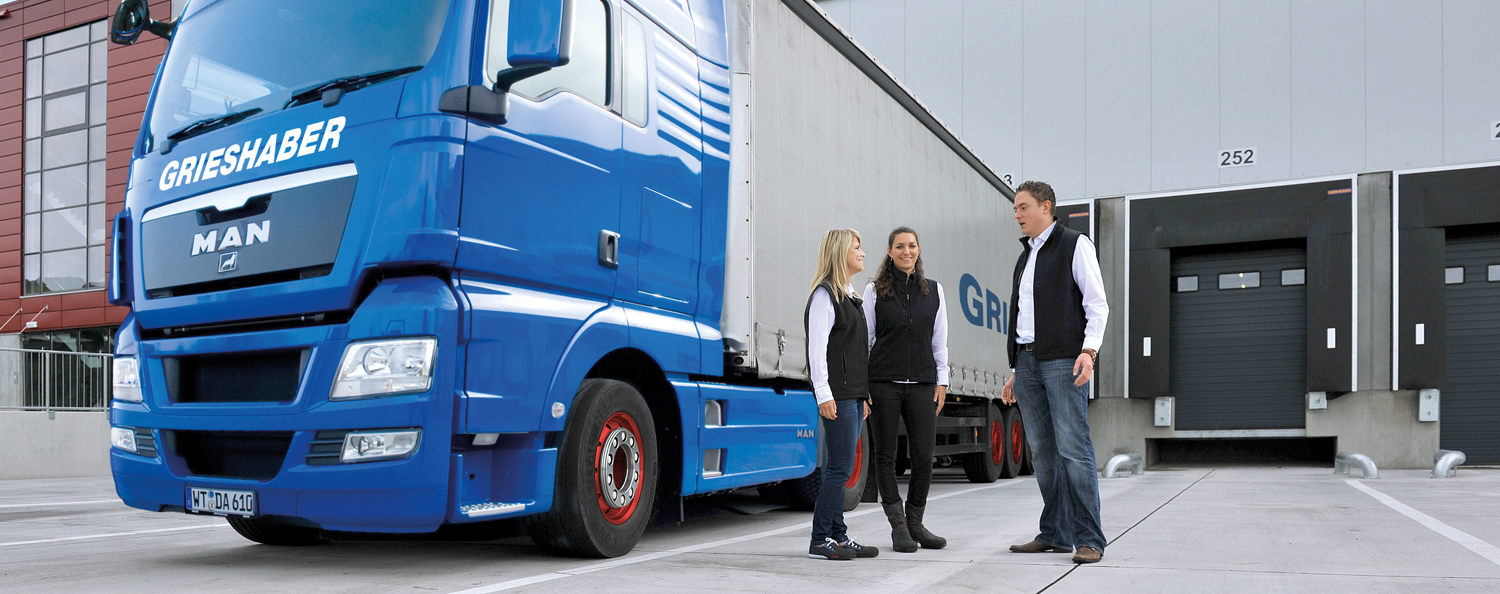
(232, 56)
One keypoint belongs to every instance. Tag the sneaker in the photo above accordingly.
(860, 550)
(828, 549)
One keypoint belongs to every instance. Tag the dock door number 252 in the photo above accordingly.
(1237, 157)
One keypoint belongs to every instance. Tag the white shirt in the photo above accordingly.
(939, 330)
(1090, 282)
(820, 317)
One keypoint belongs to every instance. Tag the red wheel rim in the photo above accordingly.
(859, 463)
(997, 443)
(618, 469)
(1017, 440)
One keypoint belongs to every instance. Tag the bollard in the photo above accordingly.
(1344, 460)
(1136, 463)
(1445, 463)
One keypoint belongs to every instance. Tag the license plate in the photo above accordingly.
(221, 502)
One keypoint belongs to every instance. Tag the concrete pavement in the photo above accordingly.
(1170, 530)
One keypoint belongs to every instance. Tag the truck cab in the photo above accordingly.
(401, 264)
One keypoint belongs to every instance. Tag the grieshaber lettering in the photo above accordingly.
(297, 142)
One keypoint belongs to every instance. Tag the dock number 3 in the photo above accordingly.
(1237, 157)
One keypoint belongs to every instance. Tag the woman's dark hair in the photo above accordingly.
(885, 281)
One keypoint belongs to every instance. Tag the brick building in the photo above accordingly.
(70, 109)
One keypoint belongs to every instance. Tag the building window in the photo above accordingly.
(1239, 280)
(1293, 277)
(1187, 284)
(63, 226)
(1453, 275)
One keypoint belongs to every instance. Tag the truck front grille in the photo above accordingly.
(326, 447)
(251, 455)
(265, 376)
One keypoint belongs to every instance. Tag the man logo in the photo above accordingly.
(804, 433)
(228, 262)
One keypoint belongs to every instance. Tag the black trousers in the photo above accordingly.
(890, 404)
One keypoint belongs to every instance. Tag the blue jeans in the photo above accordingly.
(1056, 414)
(839, 438)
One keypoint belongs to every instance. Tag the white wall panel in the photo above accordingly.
(838, 11)
(1118, 100)
(993, 110)
(1404, 92)
(1184, 93)
(1053, 90)
(1328, 87)
(934, 66)
(1471, 80)
(1255, 90)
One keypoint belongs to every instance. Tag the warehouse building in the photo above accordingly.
(1297, 205)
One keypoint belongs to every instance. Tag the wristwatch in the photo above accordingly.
(1093, 356)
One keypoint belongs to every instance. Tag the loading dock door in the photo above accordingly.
(1239, 336)
(1470, 405)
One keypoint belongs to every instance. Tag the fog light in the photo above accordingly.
(123, 438)
(369, 446)
(127, 382)
(385, 368)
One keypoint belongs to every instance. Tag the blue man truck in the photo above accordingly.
(396, 265)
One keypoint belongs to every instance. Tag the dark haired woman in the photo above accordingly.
(907, 322)
(837, 349)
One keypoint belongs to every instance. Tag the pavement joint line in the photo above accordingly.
(93, 536)
(1127, 531)
(1469, 541)
(562, 573)
(11, 505)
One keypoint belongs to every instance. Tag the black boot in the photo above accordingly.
(900, 539)
(919, 532)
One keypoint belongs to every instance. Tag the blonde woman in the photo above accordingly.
(837, 353)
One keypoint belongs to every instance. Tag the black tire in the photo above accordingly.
(1026, 467)
(582, 523)
(271, 533)
(1015, 438)
(864, 466)
(985, 466)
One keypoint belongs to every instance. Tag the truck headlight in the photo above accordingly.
(385, 368)
(127, 382)
(369, 446)
(123, 438)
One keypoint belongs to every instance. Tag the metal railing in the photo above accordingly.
(1344, 461)
(1134, 461)
(54, 380)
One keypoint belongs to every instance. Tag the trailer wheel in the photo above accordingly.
(985, 466)
(1014, 441)
(270, 533)
(864, 466)
(606, 475)
(1019, 427)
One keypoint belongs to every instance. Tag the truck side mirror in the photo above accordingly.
(134, 16)
(539, 38)
(541, 32)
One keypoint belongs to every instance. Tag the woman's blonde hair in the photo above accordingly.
(833, 261)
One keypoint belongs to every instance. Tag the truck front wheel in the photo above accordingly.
(606, 474)
(271, 533)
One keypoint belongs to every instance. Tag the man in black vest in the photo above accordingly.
(1057, 317)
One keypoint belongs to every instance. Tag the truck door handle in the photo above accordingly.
(609, 249)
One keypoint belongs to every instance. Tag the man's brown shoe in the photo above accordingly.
(1037, 546)
(1087, 555)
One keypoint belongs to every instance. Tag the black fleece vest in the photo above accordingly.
(848, 347)
(903, 333)
(1056, 298)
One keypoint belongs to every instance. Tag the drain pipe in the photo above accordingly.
(1445, 463)
(1344, 460)
(1134, 461)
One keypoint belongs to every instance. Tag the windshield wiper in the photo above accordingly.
(344, 84)
(205, 125)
